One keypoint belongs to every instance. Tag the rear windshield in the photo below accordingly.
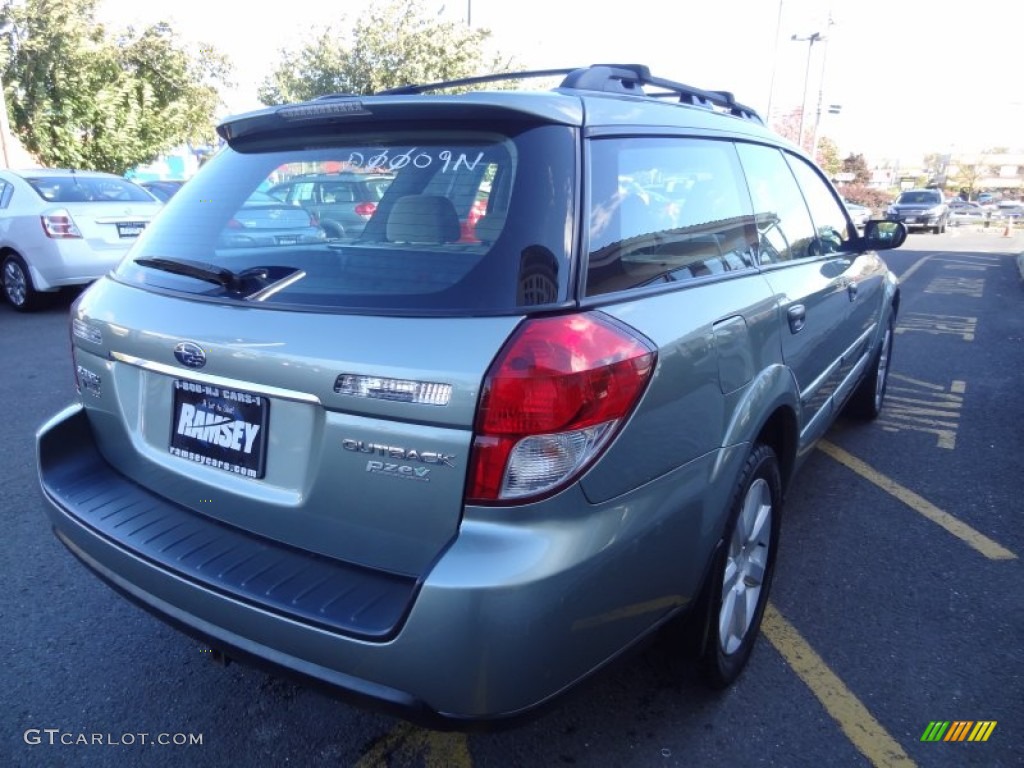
(88, 189)
(920, 197)
(436, 222)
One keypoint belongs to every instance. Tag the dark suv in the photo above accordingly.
(454, 470)
(921, 209)
(343, 202)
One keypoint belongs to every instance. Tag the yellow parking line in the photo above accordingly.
(409, 744)
(958, 528)
(860, 727)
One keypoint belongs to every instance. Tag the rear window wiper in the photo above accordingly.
(231, 281)
(254, 284)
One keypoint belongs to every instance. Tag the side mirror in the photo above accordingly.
(880, 235)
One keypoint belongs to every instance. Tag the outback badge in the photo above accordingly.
(190, 354)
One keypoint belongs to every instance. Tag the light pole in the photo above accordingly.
(810, 40)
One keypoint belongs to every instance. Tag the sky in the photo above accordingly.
(912, 76)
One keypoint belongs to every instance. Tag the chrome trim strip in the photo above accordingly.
(220, 381)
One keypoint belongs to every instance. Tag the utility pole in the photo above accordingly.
(775, 66)
(821, 91)
(810, 40)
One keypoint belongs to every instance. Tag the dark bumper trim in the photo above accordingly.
(316, 590)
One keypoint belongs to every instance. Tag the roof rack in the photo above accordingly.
(613, 78)
(423, 88)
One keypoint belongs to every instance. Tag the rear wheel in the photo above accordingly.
(17, 284)
(332, 229)
(741, 575)
(867, 400)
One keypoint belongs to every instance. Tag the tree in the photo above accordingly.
(394, 43)
(787, 125)
(81, 98)
(828, 156)
(857, 165)
(967, 177)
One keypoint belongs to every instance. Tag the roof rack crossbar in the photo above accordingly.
(629, 78)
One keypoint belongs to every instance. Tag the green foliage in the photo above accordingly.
(79, 97)
(967, 178)
(393, 43)
(828, 156)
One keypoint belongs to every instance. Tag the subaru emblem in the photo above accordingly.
(190, 355)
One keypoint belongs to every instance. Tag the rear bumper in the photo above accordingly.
(507, 618)
(916, 220)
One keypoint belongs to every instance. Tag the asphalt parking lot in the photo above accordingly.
(897, 605)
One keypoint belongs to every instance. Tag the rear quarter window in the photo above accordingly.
(664, 210)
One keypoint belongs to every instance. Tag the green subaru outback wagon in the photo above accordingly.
(545, 403)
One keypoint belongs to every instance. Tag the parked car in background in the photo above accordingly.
(162, 189)
(263, 220)
(1008, 209)
(65, 227)
(924, 209)
(859, 213)
(453, 477)
(965, 212)
(342, 202)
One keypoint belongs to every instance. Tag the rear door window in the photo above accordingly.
(830, 223)
(785, 229)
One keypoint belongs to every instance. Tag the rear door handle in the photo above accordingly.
(797, 315)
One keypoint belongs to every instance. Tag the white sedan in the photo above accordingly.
(63, 228)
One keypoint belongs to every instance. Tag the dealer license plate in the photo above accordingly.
(218, 427)
(130, 228)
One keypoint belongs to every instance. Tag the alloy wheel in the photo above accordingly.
(15, 283)
(745, 567)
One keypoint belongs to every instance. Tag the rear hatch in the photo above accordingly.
(324, 394)
(348, 436)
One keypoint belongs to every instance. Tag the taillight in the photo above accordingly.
(551, 401)
(365, 209)
(58, 224)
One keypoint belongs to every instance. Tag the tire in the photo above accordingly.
(17, 284)
(867, 400)
(332, 229)
(741, 574)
